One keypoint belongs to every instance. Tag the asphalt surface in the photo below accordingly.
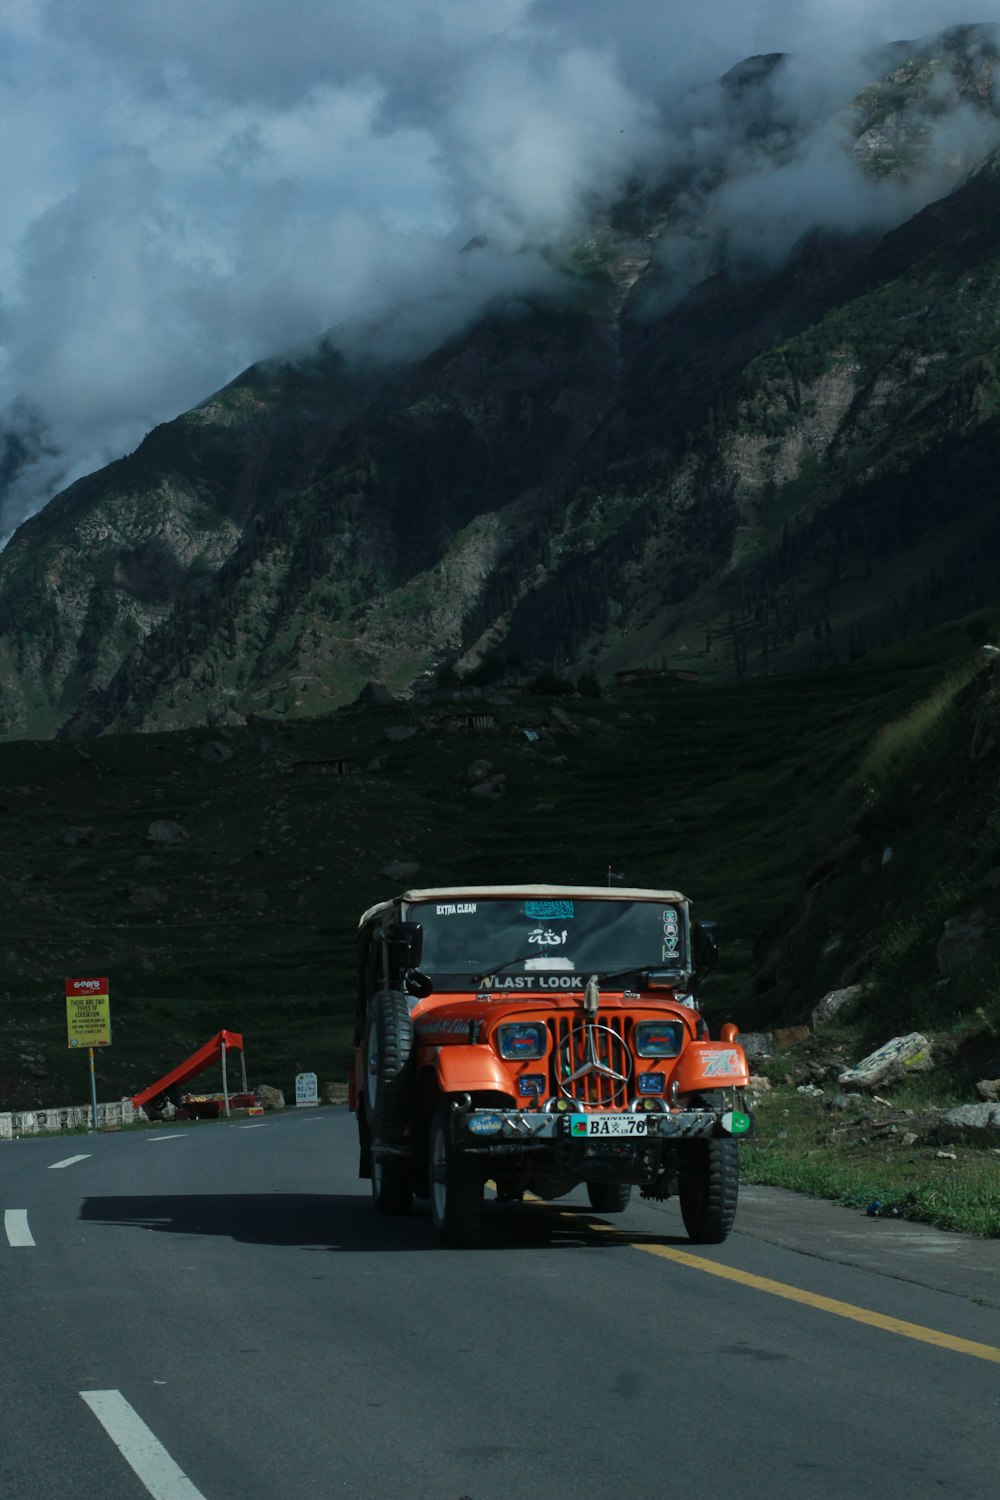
(222, 1302)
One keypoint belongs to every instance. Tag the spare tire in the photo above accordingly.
(389, 1066)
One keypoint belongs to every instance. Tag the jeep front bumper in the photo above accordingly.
(491, 1130)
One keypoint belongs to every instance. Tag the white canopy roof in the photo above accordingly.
(542, 892)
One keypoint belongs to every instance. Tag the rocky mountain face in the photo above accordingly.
(757, 464)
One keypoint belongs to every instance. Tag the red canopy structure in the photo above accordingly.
(213, 1051)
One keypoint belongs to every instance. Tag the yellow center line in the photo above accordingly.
(794, 1293)
(806, 1299)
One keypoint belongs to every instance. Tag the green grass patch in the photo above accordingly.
(904, 744)
(856, 1157)
(868, 1165)
(963, 1197)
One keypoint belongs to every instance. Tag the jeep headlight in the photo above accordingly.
(518, 1040)
(658, 1038)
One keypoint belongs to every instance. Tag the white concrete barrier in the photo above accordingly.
(67, 1117)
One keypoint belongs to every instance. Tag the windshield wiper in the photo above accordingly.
(491, 973)
(602, 978)
(643, 970)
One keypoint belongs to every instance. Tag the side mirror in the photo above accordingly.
(418, 984)
(705, 946)
(406, 941)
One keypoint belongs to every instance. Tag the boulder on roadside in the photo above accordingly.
(989, 1089)
(165, 831)
(976, 1124)
(562, 721)
(789, 1036)
(831, 1003)
(757, 1045)
(269, 1097)
(478, 771)
(841, 1102)
(492, 788)
(897, 1059)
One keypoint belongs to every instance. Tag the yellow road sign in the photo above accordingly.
(88, 1013)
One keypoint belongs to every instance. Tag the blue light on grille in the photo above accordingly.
(529, 1085)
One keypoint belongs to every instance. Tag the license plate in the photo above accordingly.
(606, 1125)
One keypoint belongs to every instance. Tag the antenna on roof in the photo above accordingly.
(615, 875)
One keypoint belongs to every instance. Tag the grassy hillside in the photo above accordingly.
(729, 792)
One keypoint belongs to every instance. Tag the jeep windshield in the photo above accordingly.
(524, 943)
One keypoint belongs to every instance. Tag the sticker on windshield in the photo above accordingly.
(549, 911)
(457, 909)
(671, 933)
(536, 981)
(546, 938)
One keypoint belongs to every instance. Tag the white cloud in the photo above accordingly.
(532, 144)
(192, 186)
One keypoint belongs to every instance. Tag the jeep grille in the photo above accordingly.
(591, 1060)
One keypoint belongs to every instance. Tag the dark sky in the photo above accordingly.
(190, 185)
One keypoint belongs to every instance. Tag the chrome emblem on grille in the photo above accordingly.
(593, 1059)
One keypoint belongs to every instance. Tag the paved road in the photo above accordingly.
(220, 1304)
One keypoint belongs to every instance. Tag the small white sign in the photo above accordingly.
(306, 1091)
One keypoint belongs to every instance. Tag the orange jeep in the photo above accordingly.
(542, 1037)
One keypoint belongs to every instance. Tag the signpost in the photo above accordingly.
(88, 1022)
(306, 1091)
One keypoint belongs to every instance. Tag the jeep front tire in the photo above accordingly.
(708, 1184)
(456, 1187)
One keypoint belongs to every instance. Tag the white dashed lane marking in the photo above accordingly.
(69, 1162)
(252, 1127)
(138, 1446)
(15, 1223)
(156, 1139)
